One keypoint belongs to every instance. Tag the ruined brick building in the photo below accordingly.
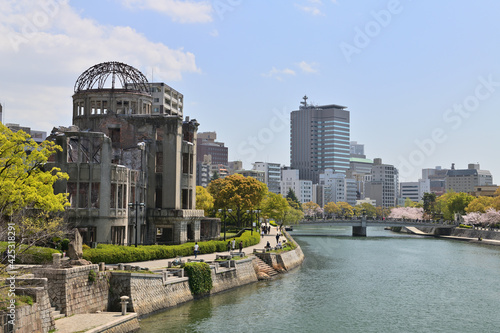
(130, 157)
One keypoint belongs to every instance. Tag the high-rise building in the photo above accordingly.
(206, 145)
(319, 139)
(384, 186)
(272, 175)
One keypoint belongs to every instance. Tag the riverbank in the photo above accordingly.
(153, 288)
(483, 236)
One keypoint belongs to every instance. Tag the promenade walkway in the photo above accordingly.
(162, 263)
(97, 322)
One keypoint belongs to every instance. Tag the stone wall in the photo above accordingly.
(71, 291)
(228, 278)
(148, 292)
(36, 317)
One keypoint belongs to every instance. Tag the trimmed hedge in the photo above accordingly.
(200, 277)
(114, 254)
(34, 255)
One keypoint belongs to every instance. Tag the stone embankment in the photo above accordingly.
(473, 235)
(91, 290)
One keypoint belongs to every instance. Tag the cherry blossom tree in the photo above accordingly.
(412, 213)
(491, 217)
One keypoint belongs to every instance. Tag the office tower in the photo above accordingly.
(319, 139)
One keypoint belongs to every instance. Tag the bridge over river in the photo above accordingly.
(359, 225)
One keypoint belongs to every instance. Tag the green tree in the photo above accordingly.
(27, 199)
(238, 193)
(345, 209)
(452, 203)
(293, 201)
(480, 204)
(204, 200)
(293, 216)
(311, 209)
(331, 209)
(275, 207)
(429, 203)
(365, 208)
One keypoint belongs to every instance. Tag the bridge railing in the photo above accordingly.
(382, 220)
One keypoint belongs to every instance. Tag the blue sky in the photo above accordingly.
(420, 78)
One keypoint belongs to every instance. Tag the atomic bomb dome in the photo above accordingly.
(97, 76)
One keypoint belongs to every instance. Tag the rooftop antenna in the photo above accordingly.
(304, 103)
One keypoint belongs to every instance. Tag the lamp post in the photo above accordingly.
(256, 212)
(136, 206)
(229, 211)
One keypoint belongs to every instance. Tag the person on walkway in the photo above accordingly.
(262, 233)
(233, 244)
(229, 246)
(277, 237)
(241, 246)
(196, 249)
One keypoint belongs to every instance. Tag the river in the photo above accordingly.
(386, 282)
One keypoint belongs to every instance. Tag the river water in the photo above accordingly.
(386, 282)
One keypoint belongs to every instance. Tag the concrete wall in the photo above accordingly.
(71, 292)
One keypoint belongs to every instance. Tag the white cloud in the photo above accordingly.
(307, 68)
(278, 73)
(310, 10)
(214, 33)
(178, 11)
(44, 50)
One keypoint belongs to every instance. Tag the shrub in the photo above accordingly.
(114, 254)
(465, 226)
(34, 255)
(200, 277)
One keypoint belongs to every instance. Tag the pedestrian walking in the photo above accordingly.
(233, 244)
(196, 249)
(277, 237)
(229, 246)
(241, 246)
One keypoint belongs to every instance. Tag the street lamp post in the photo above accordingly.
(229, 211)
(136, 206)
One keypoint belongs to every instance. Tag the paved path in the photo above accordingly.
(162, 263)
(91, 322)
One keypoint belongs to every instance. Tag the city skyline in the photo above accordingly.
(422, 86)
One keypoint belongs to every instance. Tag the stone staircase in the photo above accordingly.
(264, 271)
(56, 314)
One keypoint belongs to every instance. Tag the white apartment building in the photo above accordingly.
(415, 190)
(337, 188)
(303, 188)
(272, 176)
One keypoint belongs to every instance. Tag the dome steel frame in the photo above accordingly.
(129, 77)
